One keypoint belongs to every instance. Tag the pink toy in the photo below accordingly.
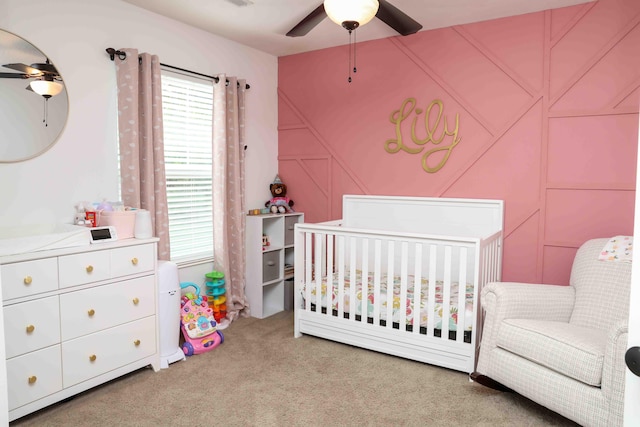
(198, 323)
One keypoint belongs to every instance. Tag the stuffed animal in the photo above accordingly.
(279, 202)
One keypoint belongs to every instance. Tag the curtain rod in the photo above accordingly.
(122, 55)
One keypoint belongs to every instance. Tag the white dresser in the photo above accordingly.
(77, 317)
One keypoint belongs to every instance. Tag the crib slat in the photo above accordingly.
(317, 267)
(461, 324)
(446, 294)
(340, 301)
(390, 274)
(376, 281)
(353, 246)
(329, 274)
(487, 265)
(364, 294)
(431, 302)
(497, 264)
(308, 238)
(417, 289)
(485, 258)
(483, 266)
(494, 261)
(404, 250)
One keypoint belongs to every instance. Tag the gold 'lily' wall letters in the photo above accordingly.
(434, 134)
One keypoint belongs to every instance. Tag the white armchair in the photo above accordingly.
(562, 346)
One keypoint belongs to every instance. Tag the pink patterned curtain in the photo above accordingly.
(228, 190)
(140, 132)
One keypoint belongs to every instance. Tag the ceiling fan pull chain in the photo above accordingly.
(355, 42)
(46, 111)
(349, 80)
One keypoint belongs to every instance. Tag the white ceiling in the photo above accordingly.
(262, 24)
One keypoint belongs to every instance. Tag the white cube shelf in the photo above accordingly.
(267, 267)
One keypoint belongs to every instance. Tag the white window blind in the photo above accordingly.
(187, 104)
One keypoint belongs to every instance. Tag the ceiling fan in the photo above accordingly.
(387, 13)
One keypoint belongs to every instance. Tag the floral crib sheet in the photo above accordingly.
(408, 305)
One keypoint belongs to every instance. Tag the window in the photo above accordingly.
(187, 104)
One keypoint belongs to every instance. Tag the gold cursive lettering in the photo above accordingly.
(434, 134)
(397, 117)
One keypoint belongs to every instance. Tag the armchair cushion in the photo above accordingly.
(574, 351)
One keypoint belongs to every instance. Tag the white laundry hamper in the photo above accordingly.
(169, 315)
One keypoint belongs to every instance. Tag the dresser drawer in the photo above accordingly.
(132, 260)
(92, 355)
(21, 279)
(84, 268)
(89, 310)
(31, 325)
(33, 376)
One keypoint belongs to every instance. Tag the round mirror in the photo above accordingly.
(33, 100)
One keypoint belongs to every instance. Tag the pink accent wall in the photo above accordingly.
(548, 121)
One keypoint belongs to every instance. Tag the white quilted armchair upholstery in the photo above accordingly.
(562, 346)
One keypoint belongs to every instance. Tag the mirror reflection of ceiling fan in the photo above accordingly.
(386, 12)
(46, 77)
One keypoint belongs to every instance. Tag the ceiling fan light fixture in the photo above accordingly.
(46, 88)
(350, 11)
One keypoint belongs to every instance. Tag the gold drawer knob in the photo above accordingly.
(91, 312)
(92, 358)
(137, 342)
(33, 379)
(89, 268)
(134, 261)
(30, 328)
(136, 301)
(28, 280)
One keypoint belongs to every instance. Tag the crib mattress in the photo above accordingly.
(397, 303)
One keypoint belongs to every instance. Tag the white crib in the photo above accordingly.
(435, 253)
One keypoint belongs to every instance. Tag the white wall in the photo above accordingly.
(82, 165)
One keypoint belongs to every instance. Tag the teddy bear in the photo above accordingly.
(279, 202)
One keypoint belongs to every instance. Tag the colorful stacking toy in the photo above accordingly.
(215, 292)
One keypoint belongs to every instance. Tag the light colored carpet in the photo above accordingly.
(262, 376)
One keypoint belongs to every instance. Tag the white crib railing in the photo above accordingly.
(337, 253)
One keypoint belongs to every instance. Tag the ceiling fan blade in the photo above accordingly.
(308, 23)
(24, 68)
(397, 19)
(47, 68)
(13, 76)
